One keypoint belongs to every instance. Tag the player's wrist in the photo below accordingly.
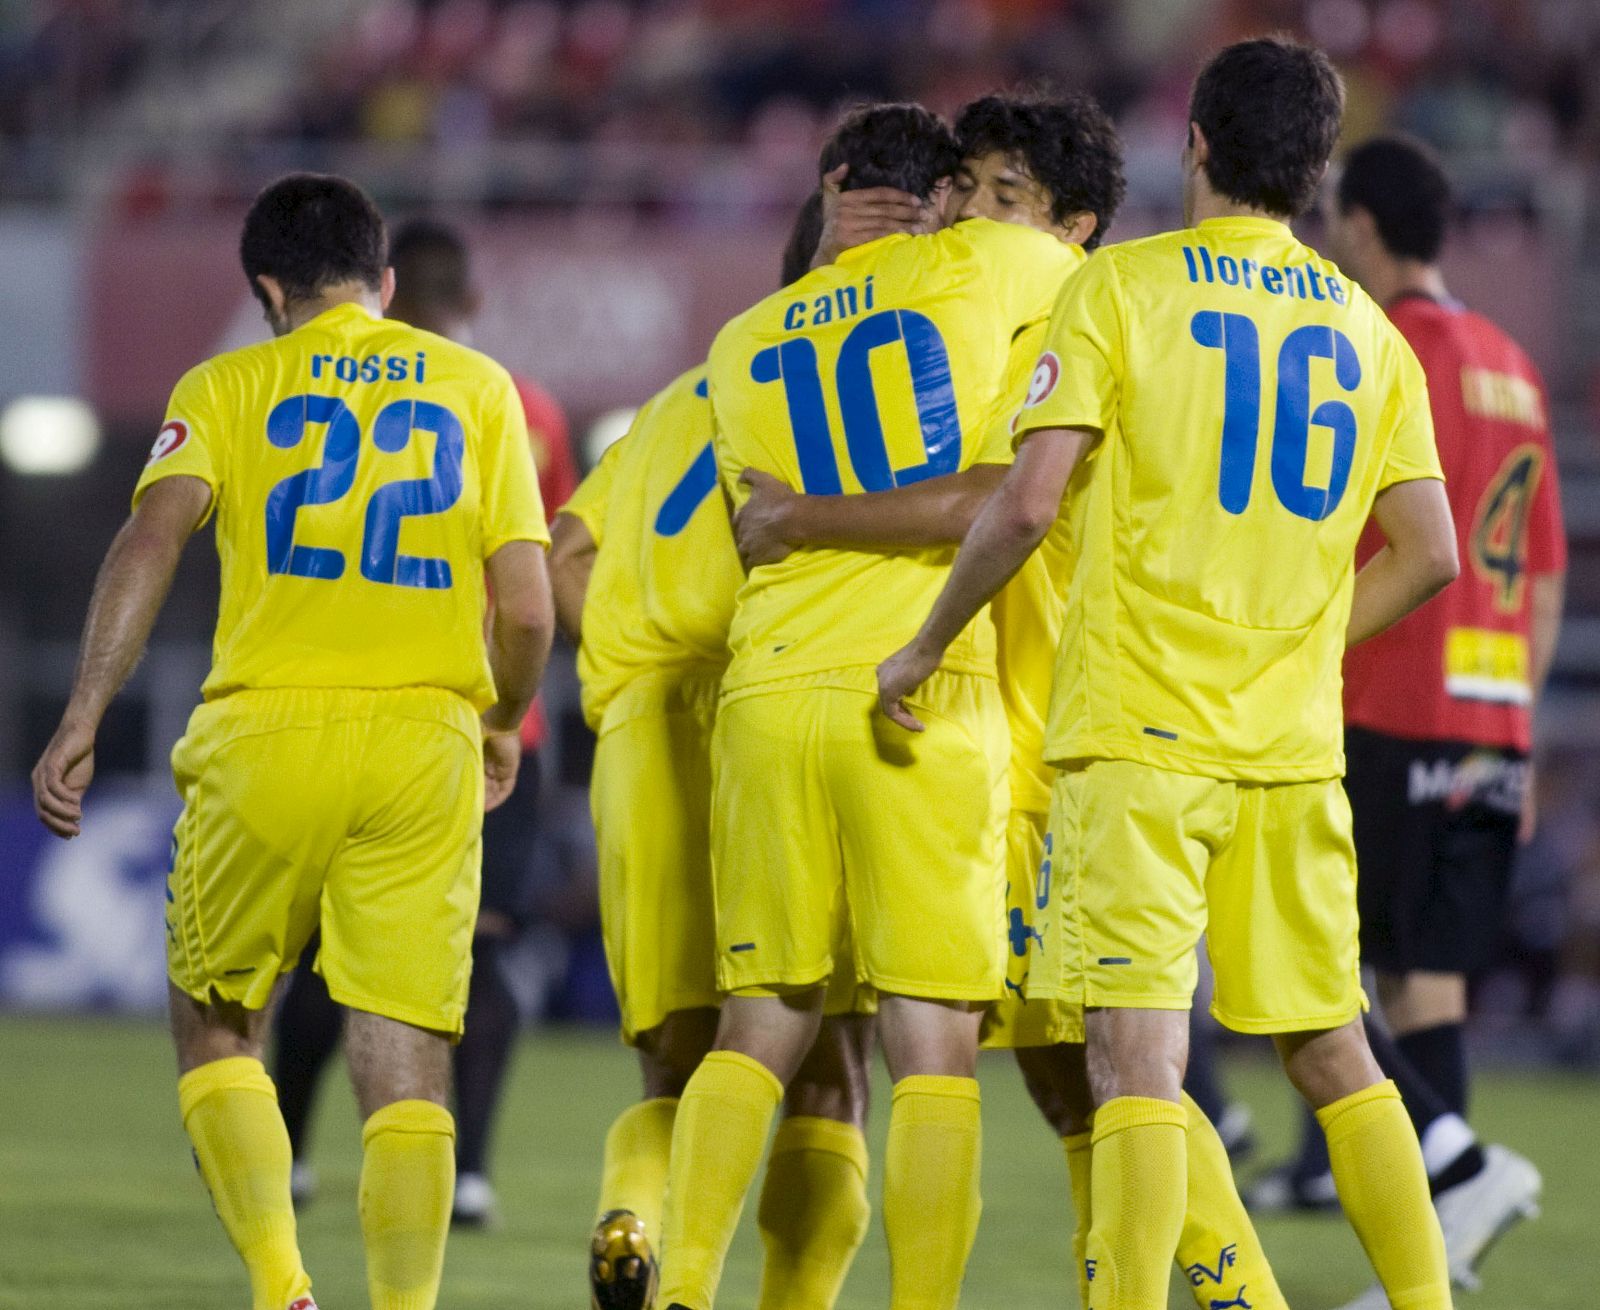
(494, 724)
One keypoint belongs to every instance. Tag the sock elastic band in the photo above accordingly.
(736, 1060)
(237, 1073)
(409, 1117)
(805, 1132)
(935, 1084)
(1329, 1114)
(1124, 1112)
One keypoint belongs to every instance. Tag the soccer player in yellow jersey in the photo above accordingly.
(368, 480)
(645, 574)
(1051, 163)
(882, 368)
(1217, 412)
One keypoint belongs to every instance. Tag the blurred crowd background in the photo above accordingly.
(627, 168)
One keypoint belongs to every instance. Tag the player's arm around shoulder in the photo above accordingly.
(128, 594)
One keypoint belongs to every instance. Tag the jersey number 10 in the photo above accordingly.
(794, 363)
(1236, 336)
(332, 479)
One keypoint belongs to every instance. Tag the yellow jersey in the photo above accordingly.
(1029, 610)
(361, 472)
(1252, 402)
(666, 572)
(880, 369)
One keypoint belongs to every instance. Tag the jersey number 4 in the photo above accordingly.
(794, 363)
(1499, 540)
(332, 479)
(1236, 336)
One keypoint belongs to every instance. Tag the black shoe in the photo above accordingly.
(622, 1267)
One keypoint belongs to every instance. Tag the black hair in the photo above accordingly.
(801, 248)
(1401, 183)
(896, 145)
(311, 231)
(1066, 142)
(1270, 110)
(430, 263)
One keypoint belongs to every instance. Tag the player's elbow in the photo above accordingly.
(1026, 516)
(1440, 564)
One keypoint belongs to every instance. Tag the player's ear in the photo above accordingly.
(1079, 227)
(270, 292)
(386, 287)
(1199, 148)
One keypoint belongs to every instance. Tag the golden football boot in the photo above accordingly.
(622, 1267)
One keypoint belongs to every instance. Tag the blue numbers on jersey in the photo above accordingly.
(688, 495)
(333, 478)
(794, 363)
(327, 482)
(1236, 336)
(381, 560)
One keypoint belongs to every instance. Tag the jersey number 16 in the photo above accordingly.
(1236, 336)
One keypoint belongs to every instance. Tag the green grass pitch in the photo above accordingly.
(100, 1207)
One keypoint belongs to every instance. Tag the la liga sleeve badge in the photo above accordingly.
(171, 437)
(1046, 373)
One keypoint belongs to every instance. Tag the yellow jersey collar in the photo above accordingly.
(1243, 223)
(345, 313)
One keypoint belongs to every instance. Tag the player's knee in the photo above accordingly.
(929, 1037)
(1137, 1053)
(833, 1081)
(1057, 1078)
(777, 1031)
(1329, 1065)
(670, 1052)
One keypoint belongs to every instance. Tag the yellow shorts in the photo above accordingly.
(650, 794)
(356, 811)
(1021, 1019)
(835, 830)
(1150, 860)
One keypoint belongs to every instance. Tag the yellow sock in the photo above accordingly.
(814, 1212)
(634, 1174)
(717, 1141)
(1140, 1183)
(1219, 1252)
(931, 1200)
(408, 1178)
(1377, 1167)
(230, 1111)
(1079, 1161)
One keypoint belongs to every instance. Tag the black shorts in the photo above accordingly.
(1436, 836)
(510, 846)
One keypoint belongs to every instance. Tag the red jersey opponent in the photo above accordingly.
(1465, 667)
(1439, 709)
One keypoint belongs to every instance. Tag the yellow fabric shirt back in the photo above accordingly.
(361, 473)
(1253, 402)
(880, 369)
(662, 590)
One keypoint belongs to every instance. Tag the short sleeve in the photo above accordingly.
(998, 442)
(510, 503)
(1077, 379)
(589, 503)
(193, 439)
(1413, 453)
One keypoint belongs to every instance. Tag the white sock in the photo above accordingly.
(1444, 1140)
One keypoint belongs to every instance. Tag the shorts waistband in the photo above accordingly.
(267, 709)
(691, 689)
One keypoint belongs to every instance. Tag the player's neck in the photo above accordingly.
(1208, 204)
(1407, 277)
(300, 312)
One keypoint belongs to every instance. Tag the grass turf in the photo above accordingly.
(100, 1207)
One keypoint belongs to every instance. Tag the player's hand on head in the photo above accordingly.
(853, 218)
(761, 522)
(62, 776)
(900, 675)
(502, 757)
